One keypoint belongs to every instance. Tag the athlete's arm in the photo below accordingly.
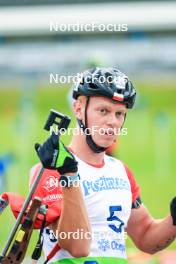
(74, 218)
(148, 234)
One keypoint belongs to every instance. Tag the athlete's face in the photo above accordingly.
(105, 117)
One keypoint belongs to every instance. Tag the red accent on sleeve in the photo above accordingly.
(134, 187)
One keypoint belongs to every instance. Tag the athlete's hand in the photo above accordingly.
(54, 155)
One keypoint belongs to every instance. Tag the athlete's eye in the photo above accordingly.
(119, 114)
(103, 111)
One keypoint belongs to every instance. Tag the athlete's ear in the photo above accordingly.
(79, 107)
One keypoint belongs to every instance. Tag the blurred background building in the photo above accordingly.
(146, 48)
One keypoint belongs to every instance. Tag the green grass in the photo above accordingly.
(148, 149)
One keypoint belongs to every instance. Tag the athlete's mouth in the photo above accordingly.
(109, 133)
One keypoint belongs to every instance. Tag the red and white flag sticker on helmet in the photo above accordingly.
(120, 83)
(118, 97)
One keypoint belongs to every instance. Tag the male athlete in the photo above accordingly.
(97, 195)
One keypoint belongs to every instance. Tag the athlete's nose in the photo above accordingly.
(113, 121)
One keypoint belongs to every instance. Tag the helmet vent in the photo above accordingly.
(92, 86)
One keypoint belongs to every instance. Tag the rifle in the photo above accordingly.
(25, 234)
(21, 242)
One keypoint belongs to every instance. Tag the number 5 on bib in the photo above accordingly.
(113, 217)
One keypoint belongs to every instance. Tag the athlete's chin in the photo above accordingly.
(105, 142)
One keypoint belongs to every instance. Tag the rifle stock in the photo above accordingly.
(19, 247)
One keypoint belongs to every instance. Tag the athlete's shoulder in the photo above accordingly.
(134, 186)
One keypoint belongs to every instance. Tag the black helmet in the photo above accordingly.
(107, 82)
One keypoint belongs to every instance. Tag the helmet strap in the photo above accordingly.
(93, 146)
